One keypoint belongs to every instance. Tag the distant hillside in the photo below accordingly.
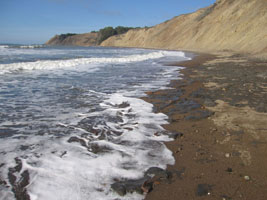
(239, 25)
(87, 39)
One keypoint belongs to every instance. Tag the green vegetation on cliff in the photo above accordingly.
(64, 36)
(109, 31)
(88, 39)
(227, 25)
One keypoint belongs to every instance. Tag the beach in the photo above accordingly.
(133, 100)
(204, 119)
(218, 111)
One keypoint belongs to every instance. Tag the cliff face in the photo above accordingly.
(86, 39)
(237, 25)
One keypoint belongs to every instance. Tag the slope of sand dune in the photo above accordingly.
(236, 25)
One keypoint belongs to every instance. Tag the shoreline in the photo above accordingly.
(221, 151)
(217, 113)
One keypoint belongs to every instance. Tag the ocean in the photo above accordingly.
(72, 121)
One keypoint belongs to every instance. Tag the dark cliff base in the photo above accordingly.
(220, 109)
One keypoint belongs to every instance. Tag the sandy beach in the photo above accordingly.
(218, 112)
(133, 100)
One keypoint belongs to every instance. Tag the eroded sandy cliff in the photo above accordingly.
(237, 25)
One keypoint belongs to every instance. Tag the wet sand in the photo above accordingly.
(219, 110)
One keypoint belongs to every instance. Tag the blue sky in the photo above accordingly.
(35, 21)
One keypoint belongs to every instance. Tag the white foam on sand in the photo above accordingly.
(116, 142)
(62, 170)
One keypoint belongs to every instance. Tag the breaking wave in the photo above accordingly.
(90, 62)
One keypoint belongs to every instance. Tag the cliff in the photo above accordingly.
(236, 25)
(86, 39)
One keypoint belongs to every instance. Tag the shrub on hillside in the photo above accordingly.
(64, 36)
(109, 31)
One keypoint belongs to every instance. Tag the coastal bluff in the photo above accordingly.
(86, 39)
(227, 25)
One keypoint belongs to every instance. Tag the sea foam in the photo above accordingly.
(82, 63)
(76, 134)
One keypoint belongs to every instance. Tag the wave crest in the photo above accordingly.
(89, 62)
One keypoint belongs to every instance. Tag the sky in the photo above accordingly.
(36, 21)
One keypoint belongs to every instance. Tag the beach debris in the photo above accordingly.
(203, 190)
(225, 197)
(176, 135)
(213, 130)
(247, 178)
(230, 170)
(119, 189)
(148, 186)
(97, 148)
(78, 140)
(179, 172)
(19, 180)
(158, 172)
(123, 105)
(153, 176)
(227, 155)
(129, 186)
(63, 154)
(179, 150)
(157, 134)
(173, 135)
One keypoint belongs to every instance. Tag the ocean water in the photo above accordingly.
(71, 119)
